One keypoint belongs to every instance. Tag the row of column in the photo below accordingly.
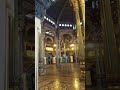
(80, 5)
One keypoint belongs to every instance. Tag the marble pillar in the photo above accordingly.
(37, 23)
(41, 50)
(80, 38)
(82, 8)
(57, 47)
(39, 43)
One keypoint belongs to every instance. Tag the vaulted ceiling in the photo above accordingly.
(61, 11)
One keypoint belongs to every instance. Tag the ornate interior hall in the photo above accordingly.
(60, 45)
(61, 66)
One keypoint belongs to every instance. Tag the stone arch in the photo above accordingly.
(48, 37)
(49, 28)
(67, 33)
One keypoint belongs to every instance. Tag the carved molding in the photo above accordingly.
(40, 11)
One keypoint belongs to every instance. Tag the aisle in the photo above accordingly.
(64, 77)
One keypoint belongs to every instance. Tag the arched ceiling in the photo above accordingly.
(67, 36)
(62, 9)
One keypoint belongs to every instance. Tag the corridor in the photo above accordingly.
(62, 77)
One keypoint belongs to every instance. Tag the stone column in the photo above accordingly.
(39, 43)
(82, 7)
(43, 40)
(37, 23)
(57, 47)
(60, 49)
(64, 48)
(79, 30)
(41, 50)
(110, 50)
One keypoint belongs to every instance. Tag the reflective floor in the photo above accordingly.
(62, 77)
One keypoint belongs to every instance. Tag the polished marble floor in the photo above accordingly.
(62, 77)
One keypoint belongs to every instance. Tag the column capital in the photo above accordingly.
(74, 3)
(82, 2)
(40, 8)
(40, 11)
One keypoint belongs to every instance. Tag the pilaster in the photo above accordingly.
(82, 8)
(40, 11)
(79, 29)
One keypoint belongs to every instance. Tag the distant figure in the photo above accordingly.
(68, 57)
(49, 58)
(74, 57)
(64, 60)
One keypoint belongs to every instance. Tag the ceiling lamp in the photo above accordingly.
(59, 24)
(80, 23)
(70, 25)
(47, 19)
(51, 21)
(54, 45)
(49, 49)
(54, 23)
(72, 45)
(47, 32)
(63, 25)
(44, 17)
(53, 0)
